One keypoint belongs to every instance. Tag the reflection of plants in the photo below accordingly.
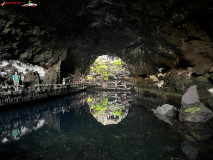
(105, 101)
(117, 113)
(105, 106)
(100, 107)
(106, 79)
(105, 73)
(103, 110)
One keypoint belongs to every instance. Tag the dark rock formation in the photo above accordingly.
(193, 134)
(32, 78)
(53, 74)
(146, 34)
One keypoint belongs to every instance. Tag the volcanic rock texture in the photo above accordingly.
(171, 36)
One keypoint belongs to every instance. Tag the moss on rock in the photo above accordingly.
(192, 109)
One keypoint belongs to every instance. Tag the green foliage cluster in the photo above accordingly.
(105, 68)
(105, 106)
(118, 62)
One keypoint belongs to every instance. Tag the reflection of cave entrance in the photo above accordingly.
(109, 72)
(109, 107)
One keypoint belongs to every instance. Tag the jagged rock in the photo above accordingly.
(202, 82)
(166, 110)
(211, 90)
(211, 70)
(53, 74)
(146, 37)
(178, 80)
(191, 97)
(165, 113)
(32, 78)
(192, 109)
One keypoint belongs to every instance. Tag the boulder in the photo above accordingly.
(166, 110)
(178, 80)
(32, 78)
(53, 74)
(165, 113)
(191, 97)
(211, 90)
(203, 82)
(192, 109)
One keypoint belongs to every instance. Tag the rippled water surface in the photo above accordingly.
(103, 126)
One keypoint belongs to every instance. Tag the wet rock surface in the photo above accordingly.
(166, 113)
(194, 134)
(166, 110)
(32, 78)
(192, 109)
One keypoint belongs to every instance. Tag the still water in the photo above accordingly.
(98, 126)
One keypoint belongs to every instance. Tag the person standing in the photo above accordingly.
(64, 81)
(16, 79)
(67, 80)
(22, 79)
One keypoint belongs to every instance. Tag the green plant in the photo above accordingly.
(89, 77)
(89, 99)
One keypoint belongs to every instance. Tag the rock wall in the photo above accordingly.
(148, 35)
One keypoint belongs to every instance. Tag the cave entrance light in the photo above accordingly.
(108, 72)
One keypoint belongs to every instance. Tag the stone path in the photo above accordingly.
(39, 91)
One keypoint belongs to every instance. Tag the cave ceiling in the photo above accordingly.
(146, 34)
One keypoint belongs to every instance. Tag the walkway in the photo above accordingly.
(41, 91)
(38, 91)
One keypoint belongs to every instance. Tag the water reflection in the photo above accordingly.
(109, 108)
(73, 125)
(17, 123)
(193, 135)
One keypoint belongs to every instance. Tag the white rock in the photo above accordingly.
(39, 125)
(166, 110)
(4, 140)
(189, 74)
(3, 73)
(191, 96)
(154, 78)
(24, 130)
(3, 63)
(166, 113)
(23, 67)
(211, 90)
(160, 69)
(160, 84)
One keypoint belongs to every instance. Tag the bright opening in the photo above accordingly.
(110, 73)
